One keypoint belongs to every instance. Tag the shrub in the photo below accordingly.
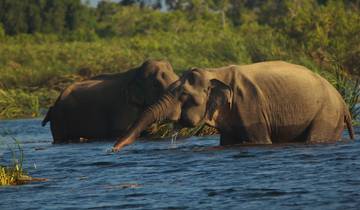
(17, 103)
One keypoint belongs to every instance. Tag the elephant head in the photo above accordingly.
(151, 79)
(107, 105)
(202, 97)
(197, 97)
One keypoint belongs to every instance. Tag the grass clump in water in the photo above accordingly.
(166, 130)
(13, 173)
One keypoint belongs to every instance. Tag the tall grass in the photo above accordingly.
(35, 68)
(17, 103)
(14, 173)
(348, 87)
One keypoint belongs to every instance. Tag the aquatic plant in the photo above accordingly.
(14, 174)
(166, 130)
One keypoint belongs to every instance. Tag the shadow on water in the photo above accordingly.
(186, 174)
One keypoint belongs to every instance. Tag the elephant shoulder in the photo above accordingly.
(103, 77)
(67, 91)
(246, 87)
(79, 88)
(122, 76)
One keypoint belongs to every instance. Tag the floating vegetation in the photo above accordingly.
(166, 130)
(13, 173)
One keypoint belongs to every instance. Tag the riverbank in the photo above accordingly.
(35, 65)
(33, 72)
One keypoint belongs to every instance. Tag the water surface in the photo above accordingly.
(186, 175)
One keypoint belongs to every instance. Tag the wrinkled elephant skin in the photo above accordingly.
(261, 103)
(105, 106)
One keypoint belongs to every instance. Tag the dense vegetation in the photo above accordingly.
(45, 44)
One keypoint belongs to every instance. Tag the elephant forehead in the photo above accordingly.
(197, 93)
(165, 66)
(150, 71)
(160, 72)
(188, 88)
(196, 80)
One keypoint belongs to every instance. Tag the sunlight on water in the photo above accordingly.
(187, 174)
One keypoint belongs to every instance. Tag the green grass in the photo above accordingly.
(31, 77)
(34, 68)
(17, 103)
(349, 88)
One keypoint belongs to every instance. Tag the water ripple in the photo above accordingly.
(194, 173)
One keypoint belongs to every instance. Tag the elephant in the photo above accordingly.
(105, 106)
(261, 103)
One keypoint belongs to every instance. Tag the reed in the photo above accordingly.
(14, 174)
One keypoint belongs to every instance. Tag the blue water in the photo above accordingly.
(187, 175)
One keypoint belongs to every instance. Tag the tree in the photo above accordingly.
(12, 15)
(33, 18)
(2, 32)
(106, 9)
(73, 14)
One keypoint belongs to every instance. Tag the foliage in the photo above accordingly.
(16, 103)
(40, 54)
(46, 16)
(348, 88)
(2, 32)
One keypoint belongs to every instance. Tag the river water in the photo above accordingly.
(189, 174)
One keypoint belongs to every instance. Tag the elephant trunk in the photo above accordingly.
(158, 111)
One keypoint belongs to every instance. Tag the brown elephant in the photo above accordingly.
(106, 105)
(262, 103)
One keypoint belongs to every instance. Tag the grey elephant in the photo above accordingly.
(262, 103)
(106, 105)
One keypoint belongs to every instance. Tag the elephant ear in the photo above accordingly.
(137, 99)
(220, 98)
(136, 95)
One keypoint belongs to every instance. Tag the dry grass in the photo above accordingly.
(166, 130)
